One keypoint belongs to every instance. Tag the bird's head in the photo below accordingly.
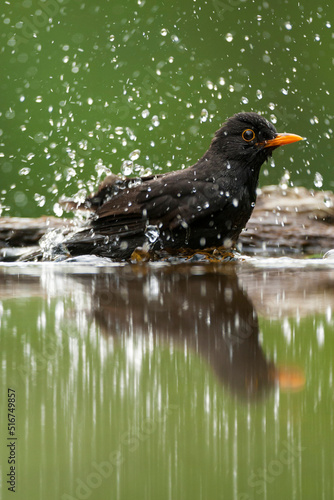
(249, 138)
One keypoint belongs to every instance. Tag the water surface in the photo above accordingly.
(159, 381)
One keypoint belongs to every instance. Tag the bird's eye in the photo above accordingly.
(248, 135)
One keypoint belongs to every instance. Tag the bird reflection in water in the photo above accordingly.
(208, 314)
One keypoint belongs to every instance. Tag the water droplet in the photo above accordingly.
(229, 37)
(10, 114)
(134, 155)
(259, 94)
(288, 25)
(329, 255)
(131, 134)
(318, 180)
(328, 202)
(90, 101)
(24, 171)
(20, 199)
(152, 233)
(155, 121)
(163, 32)
(124, 245)
(145, 113)
(204, 115)
(284, 182)
(244, 100)
(119, 130)
(40, 137)
(127, 167)
(284, 91)
(70, 172)
(221, 81)
(40, 199)
(57, 210)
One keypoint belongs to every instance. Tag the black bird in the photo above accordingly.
(205, 205)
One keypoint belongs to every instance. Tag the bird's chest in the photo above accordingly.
(223, 225)
(233, 216)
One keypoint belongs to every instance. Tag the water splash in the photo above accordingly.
(152, 233)
(51, 243)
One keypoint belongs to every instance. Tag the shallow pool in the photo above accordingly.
(189, 381)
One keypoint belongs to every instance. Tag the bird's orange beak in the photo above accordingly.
(281, 139)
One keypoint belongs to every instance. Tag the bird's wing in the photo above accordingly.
(170, 201)
(180, 199)
(108, 189)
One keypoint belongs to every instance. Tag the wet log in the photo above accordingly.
(290, 220)
(24, 231)
(285, 221)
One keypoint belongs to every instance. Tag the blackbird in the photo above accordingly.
(204, 205)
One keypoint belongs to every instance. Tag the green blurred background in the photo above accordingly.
(84, 85)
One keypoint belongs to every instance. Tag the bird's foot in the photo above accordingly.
(142, 254)
(212, 255)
